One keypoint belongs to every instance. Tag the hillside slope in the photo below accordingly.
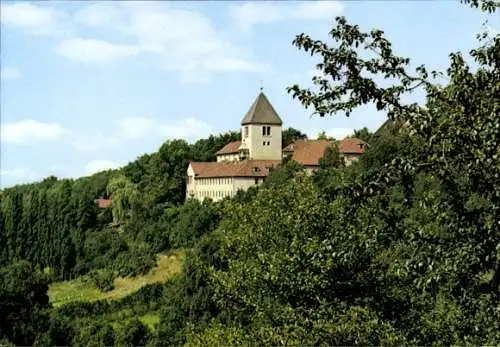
(61, 293)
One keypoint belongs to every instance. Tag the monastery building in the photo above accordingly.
(246, 163)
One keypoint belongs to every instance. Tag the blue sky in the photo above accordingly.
(92, 85)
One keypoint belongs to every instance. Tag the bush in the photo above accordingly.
(92, 333)
(102, 279)
(134, 333)
(134, 262)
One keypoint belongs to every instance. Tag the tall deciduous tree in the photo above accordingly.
(124, 195)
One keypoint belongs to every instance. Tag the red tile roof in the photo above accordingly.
(230, 148)
(352, 146)
(245, 168)
(103, 203)
(309, 152)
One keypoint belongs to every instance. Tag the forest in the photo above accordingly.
(400, 248)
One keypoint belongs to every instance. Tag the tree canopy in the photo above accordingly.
(400, 248)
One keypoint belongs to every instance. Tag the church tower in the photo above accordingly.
(261, 132)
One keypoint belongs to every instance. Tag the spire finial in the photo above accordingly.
(261, 85)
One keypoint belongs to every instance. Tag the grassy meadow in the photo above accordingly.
(80, 289)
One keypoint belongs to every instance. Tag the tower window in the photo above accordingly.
(266, 131)
(246, 131)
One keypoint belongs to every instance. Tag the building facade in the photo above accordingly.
(246, 163)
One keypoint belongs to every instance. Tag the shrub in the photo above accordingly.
(102, 279)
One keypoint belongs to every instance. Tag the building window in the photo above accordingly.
(268, 143)
(246, 131)
(256, 180)
(266, 131)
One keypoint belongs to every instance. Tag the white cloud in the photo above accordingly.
(20, 174)
(159, 29)
(168, 26)
(248, 14)
(337, 133)
(94, 142)
(189, 129)
(139, 128)
(97, 14)
(94, 51)
(316, 10)
(148, 28)
(34, 19)
(30, 131)
(9, 73)
(340, 133)
(95, 166)
(136, 127)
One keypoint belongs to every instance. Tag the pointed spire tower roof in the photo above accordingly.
(261, 112)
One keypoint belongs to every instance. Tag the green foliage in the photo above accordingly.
(23, 293)
(440, 186)
(330, 175)
(401, 248)
(102, 279)
(290, 134)
(124, 195)
(485, 5)
(404, 247)
(322, 136)
(94, 333)
(190, 221)
(205, 149)
(138, 261)
(363, 134)
(134, 333)
(283, 173)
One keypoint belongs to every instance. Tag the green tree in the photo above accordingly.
(363, 134)
(322, 136)
(283, 173)
(23, 293)
(134, 333)
(458, 133)
(124, 196)
(291, 134)
(94, 333)
(192, 220)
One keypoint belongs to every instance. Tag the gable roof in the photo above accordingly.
(309, 152)
(352, 146)
(246, 168)
(261, 112)
(230, 148)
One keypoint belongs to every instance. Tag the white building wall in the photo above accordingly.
(217, 188)
(190, 184)
(228, 157)
(244, 183)
(262, 147)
